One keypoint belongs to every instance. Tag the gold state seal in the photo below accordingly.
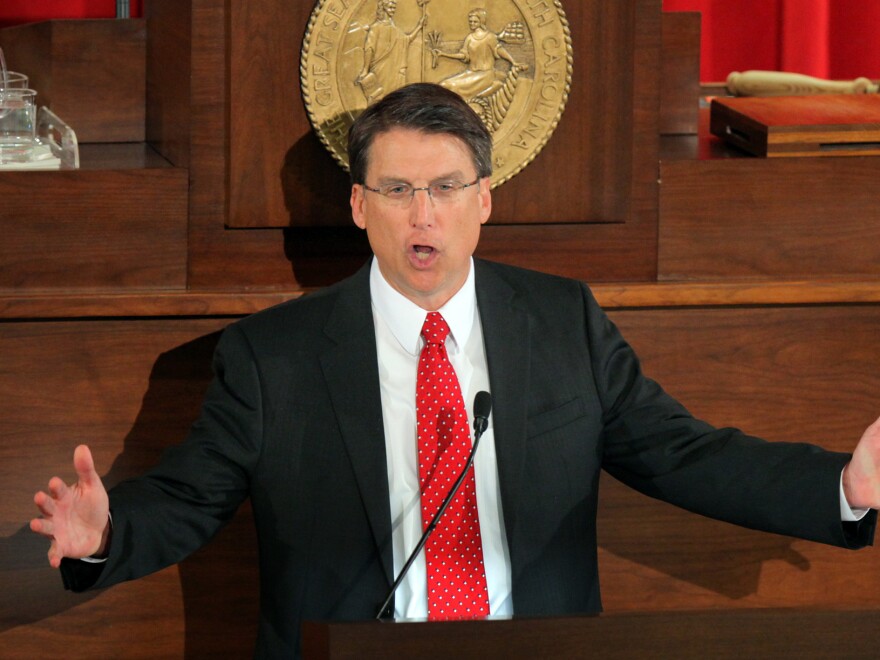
(509, 59)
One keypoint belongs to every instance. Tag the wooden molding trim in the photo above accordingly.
(610, 296)
(711, 294)
(145, 304)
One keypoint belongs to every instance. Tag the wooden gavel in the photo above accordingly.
(780, 83)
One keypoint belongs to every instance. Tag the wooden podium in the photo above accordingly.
(762, 633)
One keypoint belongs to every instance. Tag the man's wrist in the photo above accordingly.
(103, 551)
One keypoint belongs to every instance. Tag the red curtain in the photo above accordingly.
(13, 12)
(825, 38)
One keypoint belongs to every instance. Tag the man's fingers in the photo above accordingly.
(57, 488)
(68, 510)
(45, 504)
(42, 526)
(84, 465)
(54, 555)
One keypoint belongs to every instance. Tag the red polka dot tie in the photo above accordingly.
(454, 552)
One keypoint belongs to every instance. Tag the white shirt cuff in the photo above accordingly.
(847, 513)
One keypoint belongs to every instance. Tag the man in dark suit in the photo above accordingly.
(312, 415)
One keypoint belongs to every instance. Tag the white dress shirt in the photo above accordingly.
(398, 323)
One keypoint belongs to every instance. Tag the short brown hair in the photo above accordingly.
(422, 107)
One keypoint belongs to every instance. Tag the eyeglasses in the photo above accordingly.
(441, 192)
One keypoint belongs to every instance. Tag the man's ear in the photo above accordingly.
(485, 199)
(357, 206)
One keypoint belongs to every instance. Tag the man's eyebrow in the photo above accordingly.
(455, 175)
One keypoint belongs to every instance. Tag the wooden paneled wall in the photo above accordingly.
(91, 73)
(725, 215)
(128, 388)
(133, 235)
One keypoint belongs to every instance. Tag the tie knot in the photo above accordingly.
(435, 328)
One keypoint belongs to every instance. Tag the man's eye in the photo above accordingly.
(400, 190)
(443, 187)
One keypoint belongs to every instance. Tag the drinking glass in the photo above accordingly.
(18, 118)
(13, 80)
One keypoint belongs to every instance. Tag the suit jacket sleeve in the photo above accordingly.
(654, 445)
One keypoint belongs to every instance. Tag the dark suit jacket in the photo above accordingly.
(293, 419)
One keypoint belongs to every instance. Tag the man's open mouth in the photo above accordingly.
(423, 252)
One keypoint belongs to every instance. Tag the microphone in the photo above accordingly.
(482, 409)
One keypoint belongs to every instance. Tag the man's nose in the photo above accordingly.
(422, 207)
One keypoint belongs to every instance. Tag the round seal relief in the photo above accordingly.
(511, 60)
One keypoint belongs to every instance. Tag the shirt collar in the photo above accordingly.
(405, 319)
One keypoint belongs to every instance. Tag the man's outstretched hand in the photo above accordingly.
(861, 477)
(75, 517)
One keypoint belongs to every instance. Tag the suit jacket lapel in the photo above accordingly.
(506, 335)
(351, 372)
